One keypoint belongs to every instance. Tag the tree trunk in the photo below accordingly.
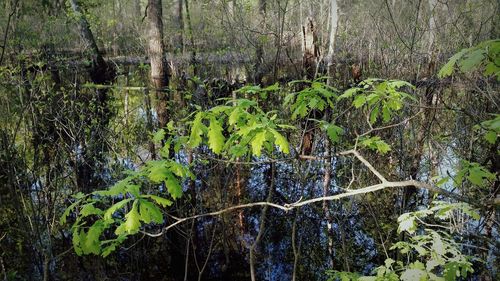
(179, 42)
(334, 19)
(100, 73)
(159, 70)
(326, 209)
(259, 45)
(194, 62)
(309, 48)
(263, 216)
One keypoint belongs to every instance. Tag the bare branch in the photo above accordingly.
(372, 188)
(366, 163)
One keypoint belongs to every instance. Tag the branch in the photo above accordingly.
(366, 163)
(372, 188)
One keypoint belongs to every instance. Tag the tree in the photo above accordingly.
(158, 60)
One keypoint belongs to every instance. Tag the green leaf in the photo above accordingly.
(407, 223)
(89, 209)
(472, 60)
(234, 116)
(132, 222)
(375, 143)
(197, 130)
(173, 186)
(386, 114)
(77, 241)
(414, 275)
(491, 137)
(116, 189)
(258, 142)
(447, 69)
(164, 202)
(349, 93)
(359, 101)
(149, 212)
(109, 212)
(281, 141)
(92, 245)
(67, 211)
(442, 181)
(215, 137)
(374, 114)
(383, 147)
(159, 136)
(158, 171)
(333, 132)
(134, 189)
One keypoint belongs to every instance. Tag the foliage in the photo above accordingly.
(382, 98)
(248, 129)
(485, 55)
(430, 254)
(318, 96)
(131, 207)
(490, 129)
(474, 173)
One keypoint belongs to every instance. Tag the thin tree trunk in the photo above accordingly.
(100, 73)
(180, 26)
(295, 247)
(334, 18)
(326, 210)
(259, 46)
(12, 11)
(263, 217)
(159, 70)
(191, 38)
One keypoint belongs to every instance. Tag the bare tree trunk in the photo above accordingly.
(101, 72)
(191, 39)
(263, 217)
(179, 42)
(326, 209)
(159, 68)
(295, 247)
(334, 19)
(259, 46)
(309, 48)
(431, 51)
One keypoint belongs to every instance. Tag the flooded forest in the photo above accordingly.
(250, 140)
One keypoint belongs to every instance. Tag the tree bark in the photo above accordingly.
(179, 42)
(334, 18)
(259, 45)
(309, 48)
(159, 70)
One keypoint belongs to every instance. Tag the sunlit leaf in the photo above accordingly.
(215, 136)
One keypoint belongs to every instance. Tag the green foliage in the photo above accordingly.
(130, 210)
(485, 55)
(256, 90)
(332, 131)
(375, 143)
(430, 254)
(490, 129)
(318, 96)
(249, 129)
(474, 173)
(382, 98)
